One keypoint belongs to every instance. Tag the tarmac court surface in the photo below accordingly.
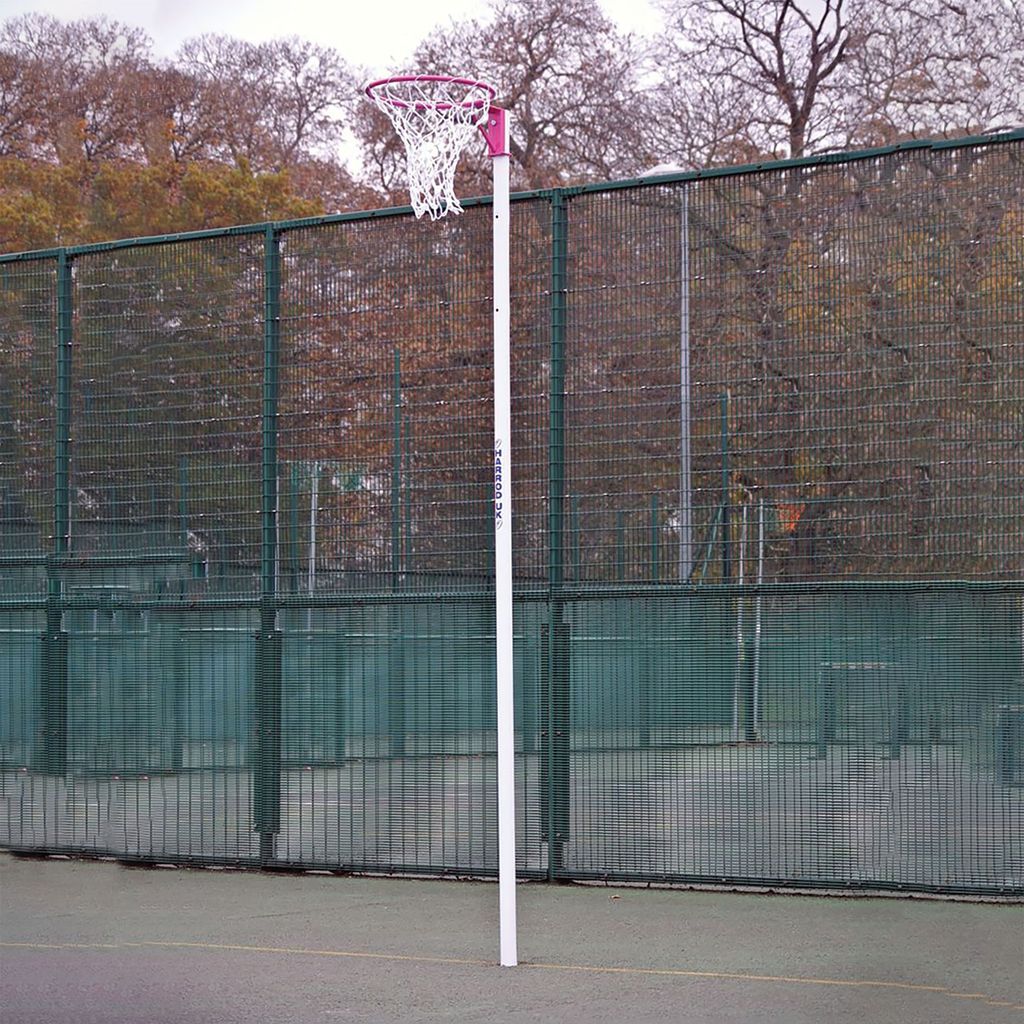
(94, 942)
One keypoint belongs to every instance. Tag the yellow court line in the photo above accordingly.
(400, 957)
(248, 949)
(536, 965)
(672, 972)
(62, 945)
(786, 979)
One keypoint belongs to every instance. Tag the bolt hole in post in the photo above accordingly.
(436, 117)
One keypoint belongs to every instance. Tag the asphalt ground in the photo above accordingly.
(97, 943)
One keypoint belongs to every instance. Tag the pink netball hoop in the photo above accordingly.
(435, 117)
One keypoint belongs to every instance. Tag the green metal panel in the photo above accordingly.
(21, 653)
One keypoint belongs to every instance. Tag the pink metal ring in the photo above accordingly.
(422, 105)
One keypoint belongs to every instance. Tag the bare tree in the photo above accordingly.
(19, 104)
(29, 48)
(768, 65)
(183, 120)
(273, 104)
(236, 90)
(314, 89)
(84, 76)
(925, 68)
(111, 57)
(784, 78)
(997, 96)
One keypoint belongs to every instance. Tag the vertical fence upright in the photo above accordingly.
(54, 688)
(267, 781)
(555, 648)
(687, 547)
(396, 646)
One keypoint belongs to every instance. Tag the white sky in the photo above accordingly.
(378, 36)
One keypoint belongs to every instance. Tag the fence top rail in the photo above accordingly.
(198, 603)
(668, 178)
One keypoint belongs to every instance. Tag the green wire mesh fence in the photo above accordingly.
(769, 534)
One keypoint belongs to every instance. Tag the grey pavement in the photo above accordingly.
(98, 943)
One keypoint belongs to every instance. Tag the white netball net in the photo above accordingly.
(435, 119)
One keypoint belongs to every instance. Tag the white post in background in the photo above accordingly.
(497, 139)
(756, 696)
(737, 683)
(277, 541)
(685, 486)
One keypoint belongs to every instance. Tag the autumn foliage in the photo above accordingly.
(99, 138)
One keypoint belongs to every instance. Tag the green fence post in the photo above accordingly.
(54, 690)
(396, 472)
(183, 502)
(899, 726)
(655, 541)
(750, 724)
(395, 662)
(340, 664)
(293, 530)
(824, 711)
(267, 776)
(179, 686)
(575, 539)
(1009, 745)
(645, 681)
(555, 638)
(268, 749)
(396, 618)
(53, 749)
(155, 539)
(620, 546)
(401, 541)
(407, 494)
(545, 780)
(726, 516)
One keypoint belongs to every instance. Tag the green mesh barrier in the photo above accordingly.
(769, 534)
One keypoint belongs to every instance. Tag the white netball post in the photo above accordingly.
(436, 116)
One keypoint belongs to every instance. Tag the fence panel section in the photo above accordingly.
(768, 532)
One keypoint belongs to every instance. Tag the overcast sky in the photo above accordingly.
(377, 35)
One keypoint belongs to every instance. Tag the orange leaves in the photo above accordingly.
(789, 514)
(43, 205)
